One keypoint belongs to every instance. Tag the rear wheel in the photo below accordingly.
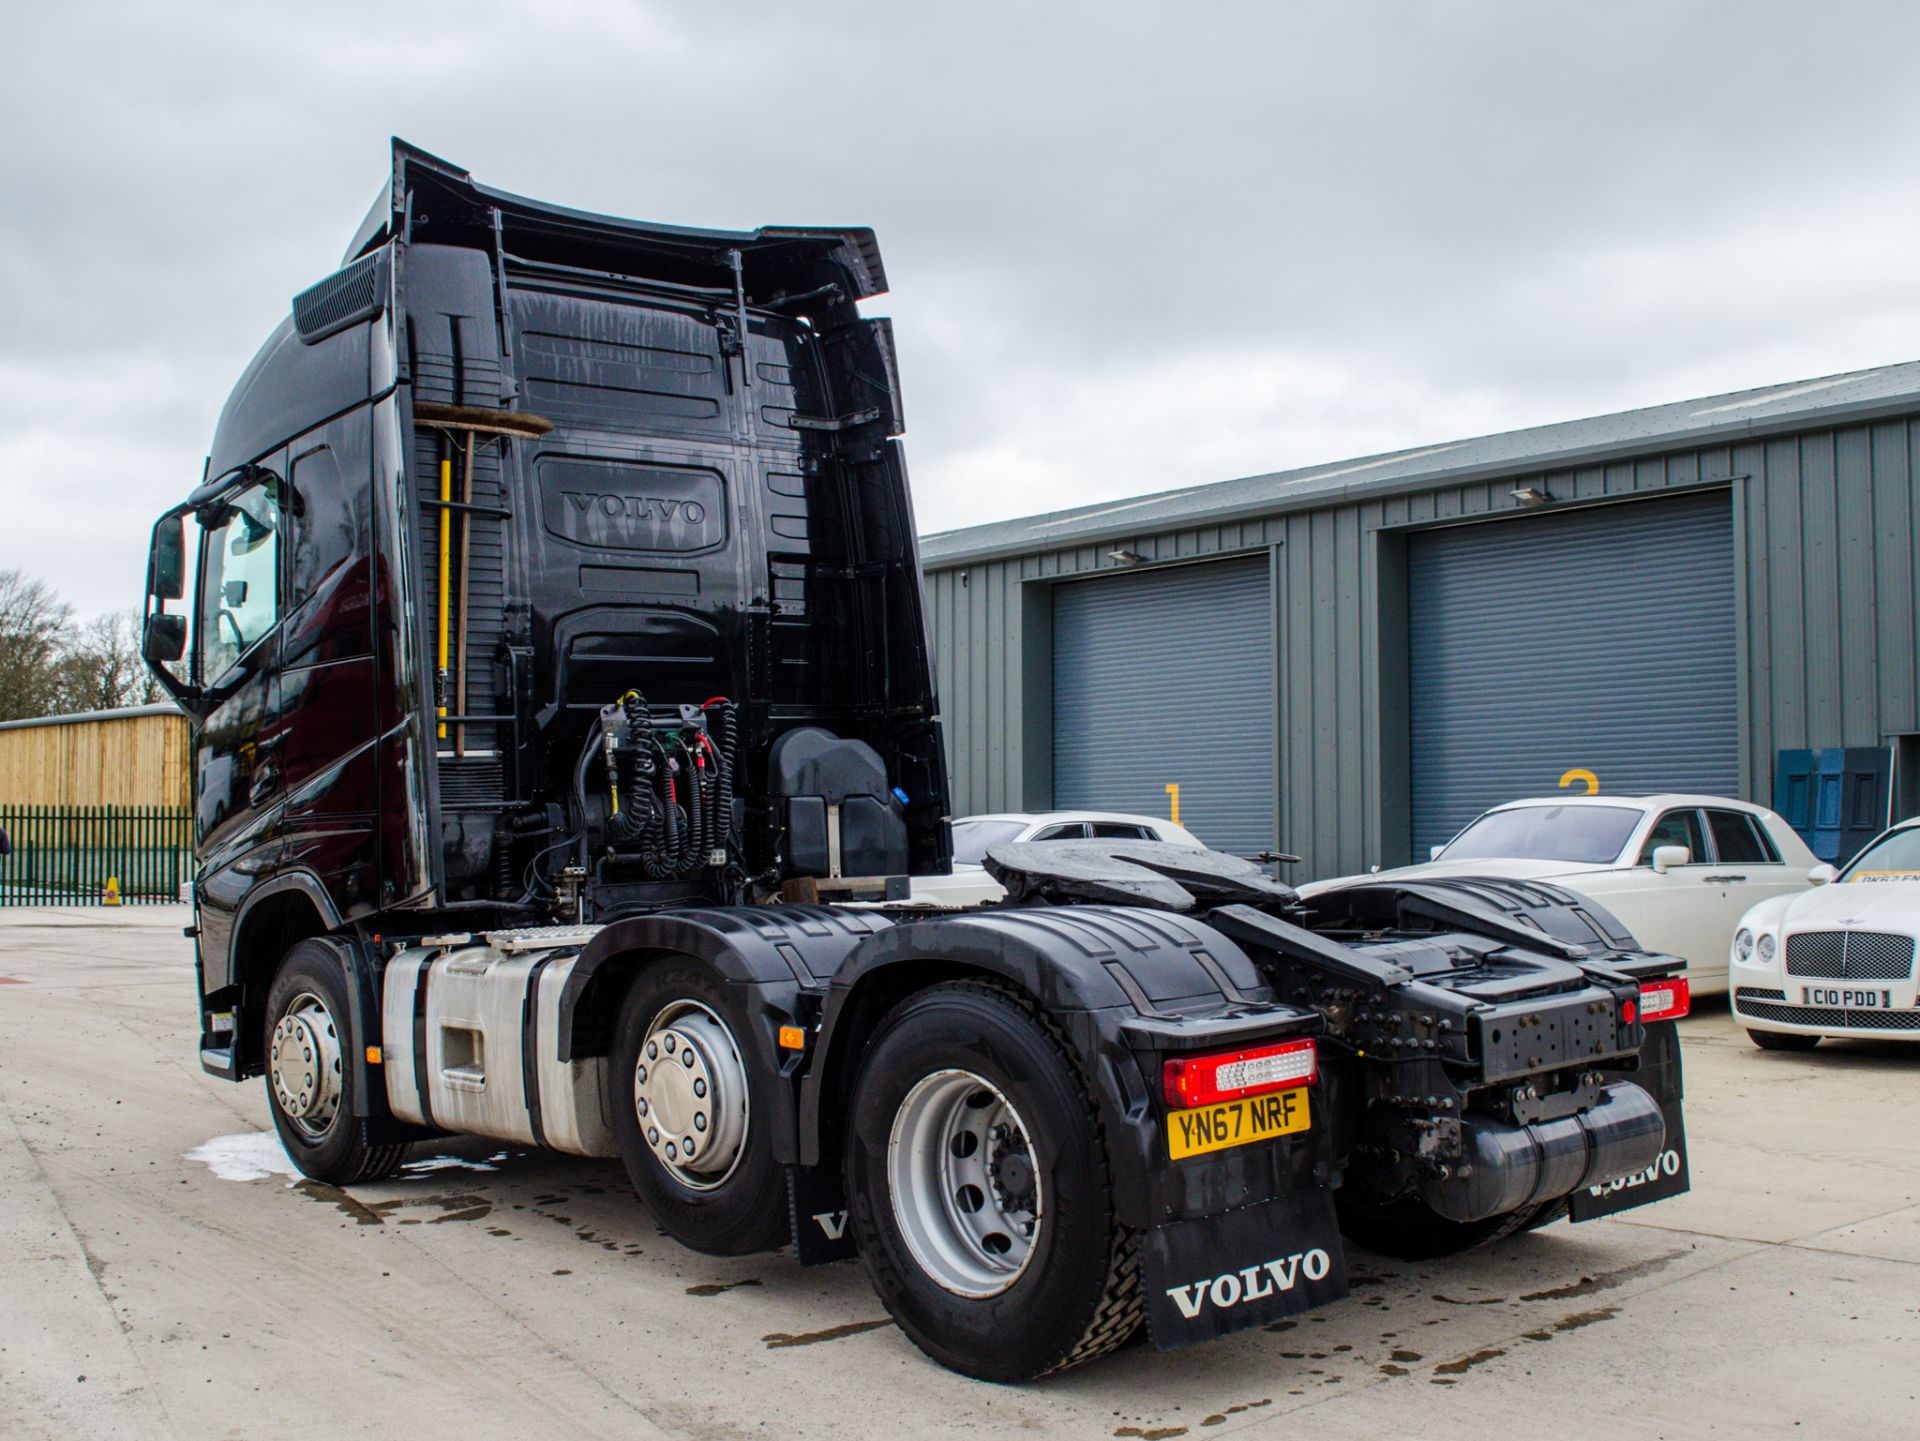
(689, 1111)
(1783, 1040)
(1411, 1231)
(977, 1180)
(309, 1082)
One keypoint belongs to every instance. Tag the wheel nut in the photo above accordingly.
(640, 1073)
(672, 1153)
(699, 1120)
(653, 1135)
(699, 1087)
(667, 1041)
(653, 1051)
(689, 1147)
(640, 1106)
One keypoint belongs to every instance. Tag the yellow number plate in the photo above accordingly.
(1236, 1123)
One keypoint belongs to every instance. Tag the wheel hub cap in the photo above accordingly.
(690, 1095)
(303, 1063)
(966, 1190)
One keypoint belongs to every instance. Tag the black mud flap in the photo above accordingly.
(817, 1206)
(1219, 1274)
(1667, 1176)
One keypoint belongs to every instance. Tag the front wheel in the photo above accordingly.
(1783, 1040)
(309, 1082)
(980, 1196)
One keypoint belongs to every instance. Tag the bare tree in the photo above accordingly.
(33, 625)
(100, 668)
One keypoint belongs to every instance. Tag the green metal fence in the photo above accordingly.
(91, 855)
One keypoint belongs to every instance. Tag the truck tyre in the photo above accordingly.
(309, 1082)
(1782, 1040)
(977, 1180)
(689, 1110)
(1410, 1231)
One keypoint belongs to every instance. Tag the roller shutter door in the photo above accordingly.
(1599, 639)
(1166, 677)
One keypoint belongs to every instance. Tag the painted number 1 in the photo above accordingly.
(1174, 791)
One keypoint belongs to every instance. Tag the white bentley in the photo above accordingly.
(973, 836)
(1678, 871)
(1837, 961)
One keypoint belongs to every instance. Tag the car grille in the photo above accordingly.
(1850, 955)
(1825, 1015)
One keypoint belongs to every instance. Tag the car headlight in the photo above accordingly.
(1742, 945)
(1765, 949)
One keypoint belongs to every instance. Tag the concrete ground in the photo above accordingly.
(146, 1290)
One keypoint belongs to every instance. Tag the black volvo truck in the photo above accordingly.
(549, 615)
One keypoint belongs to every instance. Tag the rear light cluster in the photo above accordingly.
(1190, 1081)
(1666, 1000)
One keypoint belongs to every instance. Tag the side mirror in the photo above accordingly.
(167, 570)
(165, 641)
(1665, 858)
(1433, 852)
(1823, 874)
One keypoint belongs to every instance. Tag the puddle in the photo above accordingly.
(778, 1339)
(362, 1213)
(451, 1163)
(1482, 1300)
(719, 1288)
(1577, 1321)
(1467, 1363)
(1606, 1280)
(1219, 1417)
(1152, 1433)
(249, 1156)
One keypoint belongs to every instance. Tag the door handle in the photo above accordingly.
(265, 778)
(1722, 880)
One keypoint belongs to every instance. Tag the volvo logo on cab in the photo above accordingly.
(1251, 1283)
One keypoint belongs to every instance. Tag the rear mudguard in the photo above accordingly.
(1229, 1239)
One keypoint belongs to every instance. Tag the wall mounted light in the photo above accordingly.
(1531, 495)
(1126, 557)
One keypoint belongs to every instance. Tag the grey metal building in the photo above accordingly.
(1350, 661)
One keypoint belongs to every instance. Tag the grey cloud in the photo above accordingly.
(1133, 245)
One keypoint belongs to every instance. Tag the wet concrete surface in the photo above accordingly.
(162, 1273)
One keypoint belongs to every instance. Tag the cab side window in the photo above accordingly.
(1116, 831)
(239, 577)
(1737, 837)
(1677, 828)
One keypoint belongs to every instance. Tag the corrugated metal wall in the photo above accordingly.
(1824, 521)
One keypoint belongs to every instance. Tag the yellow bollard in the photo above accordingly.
(112, 896)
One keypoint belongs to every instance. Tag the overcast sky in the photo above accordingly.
(1132, 246)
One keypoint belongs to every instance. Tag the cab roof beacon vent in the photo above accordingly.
(344, 298)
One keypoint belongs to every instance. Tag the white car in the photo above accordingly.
(1837, 961)
(973, 836)
(1678, 871)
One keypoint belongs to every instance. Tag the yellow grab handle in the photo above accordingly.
(446, 566)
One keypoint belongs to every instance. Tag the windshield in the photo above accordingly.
(973, 839)
(1584, 835)
(1894, 857)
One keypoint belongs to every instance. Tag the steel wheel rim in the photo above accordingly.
(303, 1065)
(690, 1095)
(966, 1189)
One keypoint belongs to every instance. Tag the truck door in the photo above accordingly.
(237, 762)
(324, 721)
